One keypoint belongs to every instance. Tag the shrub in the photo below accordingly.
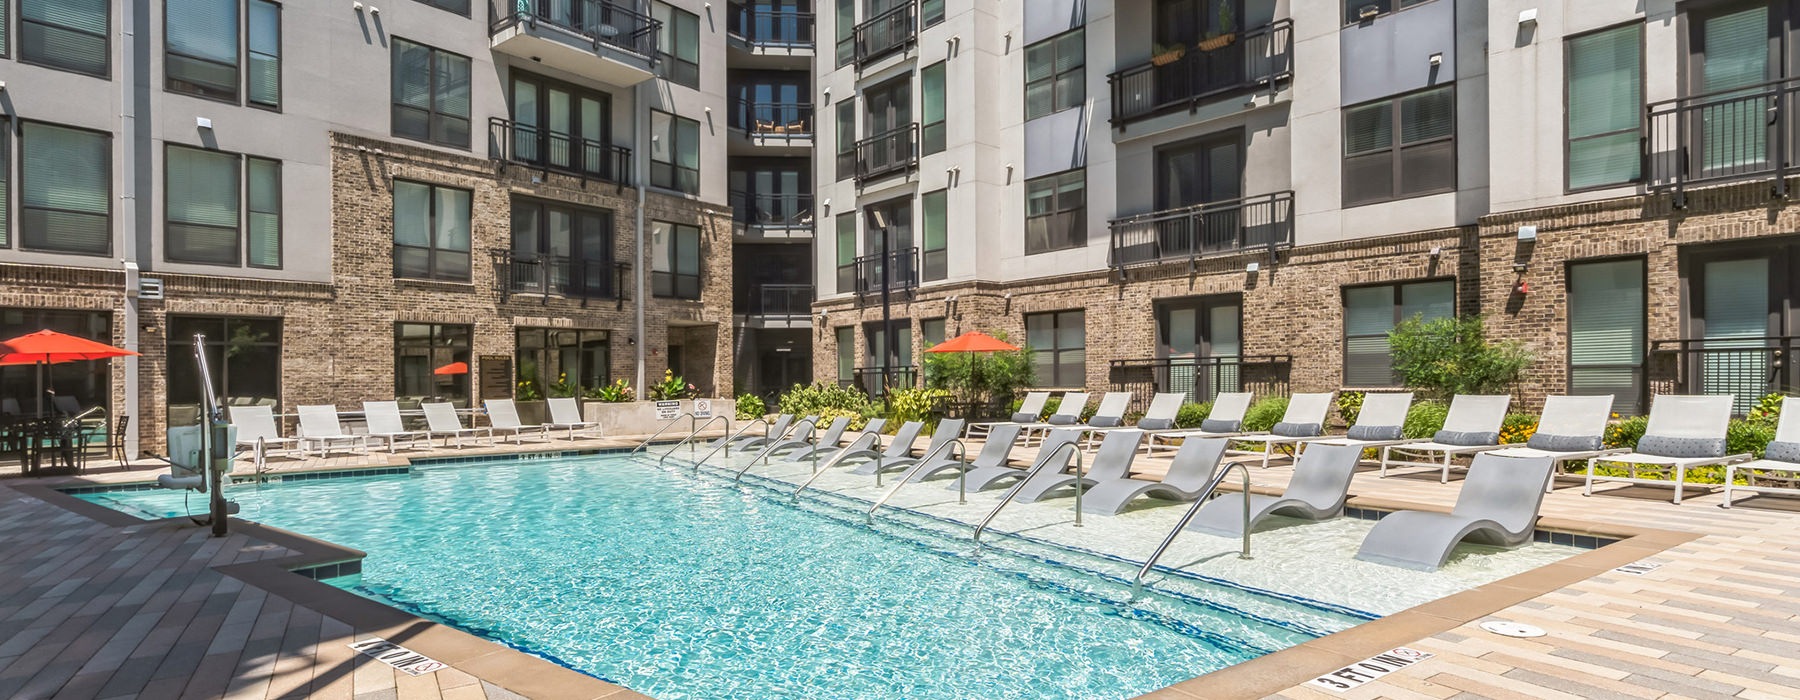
(1424, 419)
(1625, 433)
(617, 392)
(1349, 406)
(672, 386)
(915, 404)
(1264, 414)
(1767, 410)
(1050, 406)
(751, 407)
(982, 379)
(1191, 414)
(1747, 436)
(1448, 356)
(817, 399)
(1518, 427)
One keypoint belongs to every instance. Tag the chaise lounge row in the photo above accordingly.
(321, 429)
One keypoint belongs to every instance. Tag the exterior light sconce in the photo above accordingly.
(1437, 59)
(1528, 17)
(1521, 287)
(202, 123)
(1252, 268)
(1527, 234)
(1437, 251)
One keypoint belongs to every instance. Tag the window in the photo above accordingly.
(1606, 331)
(1056, 212)
(460, 7)
(561, 249)
(772, 192)
(263, 48)
(674, 152)
(89, 383)
(931, 133)
(71, 35)
(846, 252)
(5, 45)
(1055, 74)
(1197, 171)
(1058, 343)
(846, 354)
(897, 371)
(846, 32)
(5, 176)
(65, 190)
(431, 231)
(930, 12)
(678, 45)
(204, 223)
(562, 126)
(1370, 312)
(201, 50)
(431, 94)
(1400, 147)
(935, 253)
(560, 362)
(1363, 10)
(1604, 93)
(931, 330)
(421, 348)
(243, 353)
(675, 260)
(846, 139)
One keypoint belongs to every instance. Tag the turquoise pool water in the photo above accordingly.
(683, 585)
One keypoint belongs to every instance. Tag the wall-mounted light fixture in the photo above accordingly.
(1528, 16)
(203, 122)
(1252, 268)
(1437, 59)
(1437, 251)
(1527, 233)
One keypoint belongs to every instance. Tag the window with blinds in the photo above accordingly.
(1055, 74)
(1400, 147)
(5, 25)
(846, 32)
(1370, 313)
(262, 230)
(430, 94)
(678, 45)
(931, 88)
(1733, 54)
(1058, 343)
(1604, 106)
(65, 190)
(71, 35)
(674, 260)
(1606, 331)
(935, 214)
(930, 12)
(262, 82)
(846, 252)
(201, 203)
(460, 7)
(201, 48)
(5, 181)
(431, 231)
(846, 139)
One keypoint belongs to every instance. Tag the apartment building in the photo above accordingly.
(424, 199)
(1211, 195)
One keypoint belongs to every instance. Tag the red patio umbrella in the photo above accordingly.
(48, 347)
(973, 341)
(453, 368)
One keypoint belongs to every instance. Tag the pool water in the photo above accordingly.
(684, 585)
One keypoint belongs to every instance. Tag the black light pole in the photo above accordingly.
(889, 347)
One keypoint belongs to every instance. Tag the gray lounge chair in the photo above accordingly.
(1379, 423)
(800, 436)
(898, 448)
(1684, 432)
(1225, 420)
(1303, 420)
(994, 453)
(1571, 429)
(1498, 506)
(1193, 466)
(1164, 408)
(1320, 486)
(1472, 426)
(776, 430)
(1029, 408)
(1110, 463)
(947, 430)
(1780, 462)
(1068, 413)
(827, 446)
(989, 477)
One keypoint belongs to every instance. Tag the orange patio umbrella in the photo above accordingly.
(973, 341)
(48, 347)
(453, 368)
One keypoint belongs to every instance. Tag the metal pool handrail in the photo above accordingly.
(1043, 461)
(1137, 584)
(962, 455)
(839, 457)
(689, 440)
(692, 423)
(726, 443)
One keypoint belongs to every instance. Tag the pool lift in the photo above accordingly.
(1206, 494)
(962, 475)
(200, 455)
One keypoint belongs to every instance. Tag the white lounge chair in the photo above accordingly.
(319, 425)
(1303, 420)
(1164, 408)
(1067, 414)
(1029, 408)
(565, 414)
(1571, 429)
(1225, 420)
(385, 424)
(1472, 426)
(503, 417)
(441, 419)
(1110, 415)
(1781, 459)
(256, 430)
(1684, 432)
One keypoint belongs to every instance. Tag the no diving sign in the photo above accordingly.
(1370, 669)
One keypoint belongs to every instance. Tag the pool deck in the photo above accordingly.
(95, 604)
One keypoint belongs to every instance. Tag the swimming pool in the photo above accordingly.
(681, 584)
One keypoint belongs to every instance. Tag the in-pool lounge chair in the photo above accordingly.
(947, 429)
(988, 477)
(1194, 464)
(1067, 414)
(827, 446)
(865, 444)
(1472, 426)
(386, 425)
(1684, 432)
(898, 448)
(1498, 505)
(1320, 486)
(994, 453)
(800, 436)
(319, 425)
(833, 433)
(1778, 471)
(1303, 420)
(565, 414)
(1571, 429)
(1029, 408)
(256, 430)
(1111, 463)
(776, 431)
(503, 417)
(1225, 420)
(441, 420)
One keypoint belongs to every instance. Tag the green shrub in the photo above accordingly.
(1191, 414)
(1050, 406)
(1264, 414)
(1424, 419)
(1349, 406)
(1747, 436)
(620, 392)
(1517, 427)
(1767, 410)
(1625, 433)
(1449, 356)
(820, 398)
(922, 405)
(751, 407)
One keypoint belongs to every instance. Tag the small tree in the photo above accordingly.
(983, 379)
(1448, 356)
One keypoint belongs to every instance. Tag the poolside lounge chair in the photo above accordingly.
(256, 430)
(994, 453)
(385, 424)
(1571, 429)
(1780, 462)
(565, 414)
(1112, 462)
(1471, 426)
(1226, 419)
(1029, 408)
(1684, 432)
(1378, 424)
(503, 417)
(1320, 486)
(1164, 408)
(1303, 420)
(1498, 506)
(827, 446)
(1109, 416)
(441, 419)
(865, 444)
(987, 477)
(800, 436)
(947, 430)
(319, 425)
(1194, 464)
(833, 433)
(1067, 413)
(899, 447)
(775, 432)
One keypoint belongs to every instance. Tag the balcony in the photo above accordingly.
(896, 272)
(876, 381)
(887, 33)
(787, 300)
(1716, 138)
(1747, 368)
(513, 142)
(1216, 228)
(590, 38)
(774, 123)
(887, 153)
(766, 214)
(764, 30)
(1174, 82)
(1200, 378)
(555, 275)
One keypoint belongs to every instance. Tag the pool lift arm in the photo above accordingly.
(217, 443)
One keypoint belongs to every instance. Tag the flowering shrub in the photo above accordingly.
(617, 392)
(672, 387)
(751, 407)
(1517, 428)
(562, 388)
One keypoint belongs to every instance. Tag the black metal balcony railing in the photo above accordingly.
(674, 285)
(772, 211)
(1200, 378)
(1743, 134)
(557, 275)
(1263, 221)
(790, 300)
(1173, 82)
(886, 153)
(887, 32)
(778, 120)
(876, 381)
(597, 21)
(1747, 368)
(897, 270)
(523, 143)
(771, 28)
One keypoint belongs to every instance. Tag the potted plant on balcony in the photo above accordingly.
(1224, 30)
(1161, 55)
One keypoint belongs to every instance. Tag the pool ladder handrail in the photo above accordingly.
(1211, 490)
(792, 432)
(693, 422)
(962, 475)
(795, 498)
(689, 440)
(1043, 461)
(726, 443)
